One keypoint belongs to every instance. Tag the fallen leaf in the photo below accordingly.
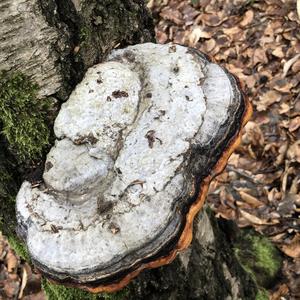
(172, 15)
(294, 124)
(278, 52)
(209, 45)
(259, 56)
(196, 34)
(254, 202)
(267, 99)
(293, 152)
(12, 262)
(248, 18)
(282, 152)
(289, 64)
(255, 220)
(284, 108)
(292, 249)
(211, 19)
(282, 291)
(296, 66)
(231, 31)
(253, 134)
(161, 37)
(23, 283)
(11, 288)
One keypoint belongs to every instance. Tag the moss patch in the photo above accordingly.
(59, 292)
(8, 189)
(262, 295)
(19, 247)
(24, 135)
(259, 257)
(22, 116)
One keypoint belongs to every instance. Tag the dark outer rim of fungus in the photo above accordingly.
(167, 255)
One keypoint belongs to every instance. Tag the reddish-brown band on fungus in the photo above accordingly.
(187, 233)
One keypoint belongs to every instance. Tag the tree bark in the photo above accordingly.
(54, 42)
(208, 269)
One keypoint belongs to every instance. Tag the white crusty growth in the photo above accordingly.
(118, 175)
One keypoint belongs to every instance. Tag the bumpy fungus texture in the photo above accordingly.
(137, 143)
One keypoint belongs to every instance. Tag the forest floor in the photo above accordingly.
(259, 42)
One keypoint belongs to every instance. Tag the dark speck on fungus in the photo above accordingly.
(119, 94)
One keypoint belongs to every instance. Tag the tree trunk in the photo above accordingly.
(54, 42)
(208, 269)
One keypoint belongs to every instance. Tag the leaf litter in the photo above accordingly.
(259, 42)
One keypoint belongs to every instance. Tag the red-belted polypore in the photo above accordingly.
(136, 145)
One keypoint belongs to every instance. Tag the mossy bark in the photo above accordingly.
(56, 42)
(46, 46)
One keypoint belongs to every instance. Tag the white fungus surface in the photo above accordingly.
(117, 171)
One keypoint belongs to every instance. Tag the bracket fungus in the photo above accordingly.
(137, 144)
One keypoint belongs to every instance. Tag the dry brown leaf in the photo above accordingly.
(196, 34)
(234, 159)
(12, 262)
(287, 65)
(265, 100)
(255, 220)
(282, 152)
(282, 291)
(253, 134)
(293, 152)
(294, 124)
(23, 283)
(231, 31)
(259, 56)
(11, 288)
(284, 108)
(253, 201)
(250, 81)
(294, 190)
(292, 249)
(283, 86)
(209, 45)
(248, 18)
(161, 37)
(211, 19)
(172, 15)
(278, 52)
(296, 66)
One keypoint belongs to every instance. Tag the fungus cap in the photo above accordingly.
(137, 143)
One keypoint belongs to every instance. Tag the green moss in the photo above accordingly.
(259, 257)
(22, 116)
(262, 295)
(24, 134)
(19, 247)
(59, 292)
(6, 184)
(8, 190)
(84, 34)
